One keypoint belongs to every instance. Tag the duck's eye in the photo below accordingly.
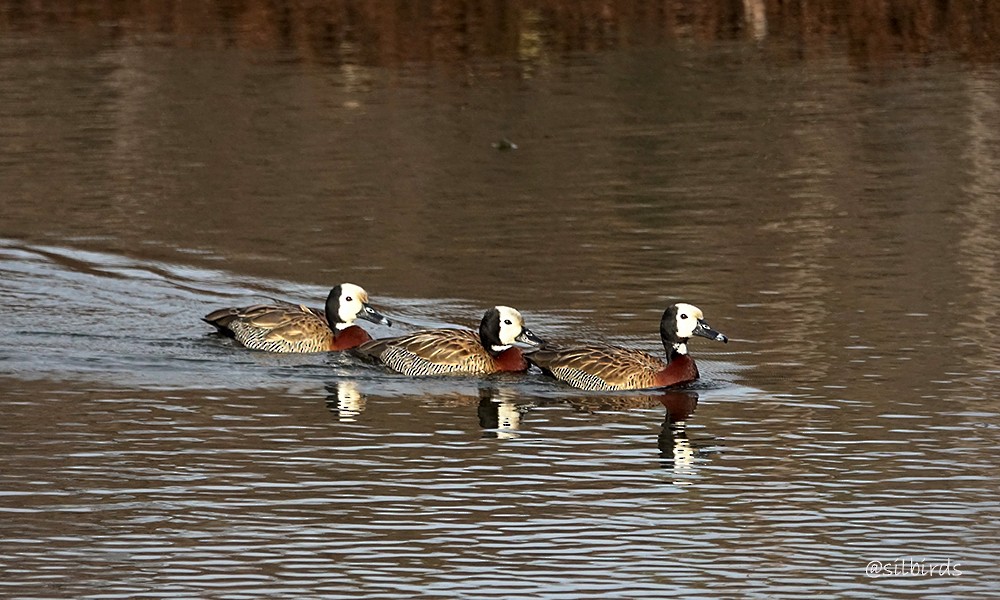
(683, 316)
(507, 322)
(349, 299)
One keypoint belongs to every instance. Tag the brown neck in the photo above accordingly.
(349, 337)
(680, 370)
(511, 359)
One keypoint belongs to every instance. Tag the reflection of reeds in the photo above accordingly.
(386, 33)
(979, 248)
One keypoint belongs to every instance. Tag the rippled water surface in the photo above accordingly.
(835, 215)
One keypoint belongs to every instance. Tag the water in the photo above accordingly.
(835, 216)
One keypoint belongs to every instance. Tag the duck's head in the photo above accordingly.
(501, 327)
(348, 302)
(680, 323)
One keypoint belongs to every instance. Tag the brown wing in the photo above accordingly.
(431, 352)
(275, 327)
(599, 367)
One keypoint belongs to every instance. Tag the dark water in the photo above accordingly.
(836, 218)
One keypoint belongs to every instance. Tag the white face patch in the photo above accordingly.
(351, 303)
(511, 326)
(688, 316)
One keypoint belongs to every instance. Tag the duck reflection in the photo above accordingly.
(500, 412)
(499, 409)
(344, 400)
(679, 403)
(676, 451)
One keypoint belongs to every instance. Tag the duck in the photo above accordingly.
(287, 327)
(602, 367)
(457, 351)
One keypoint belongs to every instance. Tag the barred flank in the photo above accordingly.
(584, 380)
(255, 338)
(408, 363)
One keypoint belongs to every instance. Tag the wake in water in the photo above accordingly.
(91, 316)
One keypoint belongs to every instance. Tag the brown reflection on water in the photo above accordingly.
(979, 244)
(450, 32)
(267, 493)
(798, 210)
(838, 222)
(798, 294)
